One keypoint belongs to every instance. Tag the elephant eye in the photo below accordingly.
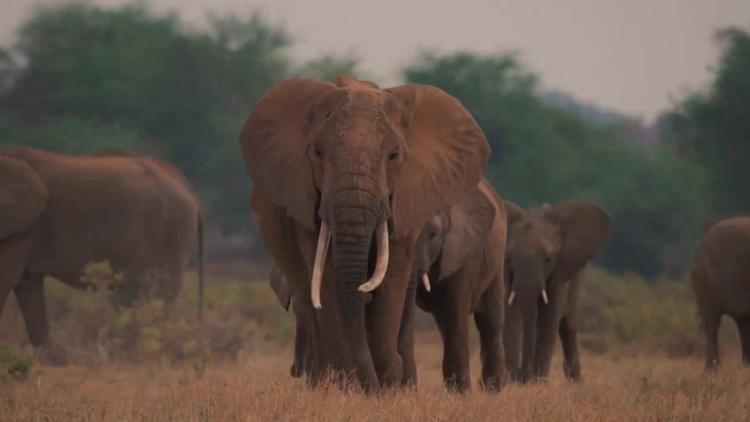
(318, 153)
(393, 156)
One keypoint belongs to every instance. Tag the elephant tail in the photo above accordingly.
(200, 267)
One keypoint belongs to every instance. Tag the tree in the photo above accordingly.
(328, 67)
(713, 127)
(543, 153)
(86, 78)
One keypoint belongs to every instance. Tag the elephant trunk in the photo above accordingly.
(353, 224)
(529, 314)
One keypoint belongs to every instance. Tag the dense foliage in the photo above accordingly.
(713, 126)
(81, 78)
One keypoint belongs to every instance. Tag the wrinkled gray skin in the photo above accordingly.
(463, 252)
(720, 274)
(548, 247)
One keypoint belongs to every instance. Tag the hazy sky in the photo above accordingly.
(629, 55)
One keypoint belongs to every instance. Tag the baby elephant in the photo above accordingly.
(720, 272)
(548, 247)
(459, 260)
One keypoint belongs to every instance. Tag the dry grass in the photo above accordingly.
(260, 388)
(241, 372)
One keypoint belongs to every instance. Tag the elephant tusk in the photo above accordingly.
(382, 263)
(544, 297)
(511, 297)
(321, 252)
(426, 282)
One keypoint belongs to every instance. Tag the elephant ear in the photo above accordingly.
(274, 137)
(280, 286)
(585, 231)
(514, 213)
(23, 196)
(470, 223)
(446, 156)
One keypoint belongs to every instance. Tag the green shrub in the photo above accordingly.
(13, 364)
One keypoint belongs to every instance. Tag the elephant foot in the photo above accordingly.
(492, 383)
(392, 375)
(295, 370)
(572, 374)
(458, 384)
(515, 375)
(52, 354)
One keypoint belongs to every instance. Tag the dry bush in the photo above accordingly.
(239, 317)
(156, 362)
(620, 315)
(630, 315)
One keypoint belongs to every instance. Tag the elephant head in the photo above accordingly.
(547, 246)
(452, 237)
(354, 163)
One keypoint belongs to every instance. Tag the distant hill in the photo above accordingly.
(633, 127)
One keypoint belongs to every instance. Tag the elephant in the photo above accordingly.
(281, 288)
(459, 259)
(355, 170)
(720, 275)
(60, 213)
(548, 249)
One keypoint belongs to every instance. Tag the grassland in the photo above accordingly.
(641, 362)
(259, 388)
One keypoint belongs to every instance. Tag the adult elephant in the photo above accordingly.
(280, 286)
(720, 274)
(460, 257)
(60, 213)
(342, 164)
(548, 248)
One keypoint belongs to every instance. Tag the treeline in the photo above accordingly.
(79, 78)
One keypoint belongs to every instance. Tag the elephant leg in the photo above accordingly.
(315, 360)
(299, 366)
(743, 326)
(384, 312)
(569, 340)
(711, 321)
(14, 251)
(547, 328)
(489, 322)
(4, 293)
(512, 341)
(453, 321)
(406, 336)
(30, 296)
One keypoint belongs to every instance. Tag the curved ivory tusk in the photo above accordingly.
(426, 282)
(382, 263)
(511, 297)
(321, 251)
(544, 297)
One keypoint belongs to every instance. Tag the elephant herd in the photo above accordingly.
(371, 202)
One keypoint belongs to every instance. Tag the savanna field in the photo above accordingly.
(642, 360)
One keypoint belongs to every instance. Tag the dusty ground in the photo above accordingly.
(259, 388)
